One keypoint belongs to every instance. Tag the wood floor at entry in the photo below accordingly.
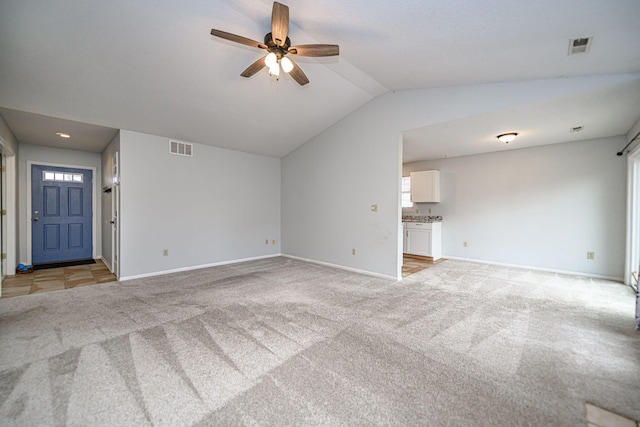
(56, 279)
(412, 264)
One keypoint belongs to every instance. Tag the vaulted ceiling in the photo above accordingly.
(153, 67)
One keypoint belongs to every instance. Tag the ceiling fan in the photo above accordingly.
(277, 45)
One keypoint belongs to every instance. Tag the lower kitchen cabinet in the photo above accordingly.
(424, 238)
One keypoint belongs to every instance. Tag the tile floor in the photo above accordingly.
(598, 417)
(413, 263)
(55, 279)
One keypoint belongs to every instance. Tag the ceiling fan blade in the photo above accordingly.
(315, 50)
(254, 68)
(298, 75)
(237, 39)
(279, 23)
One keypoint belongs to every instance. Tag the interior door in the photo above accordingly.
(62, 217)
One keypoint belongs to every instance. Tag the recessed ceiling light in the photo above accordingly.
(63, 135)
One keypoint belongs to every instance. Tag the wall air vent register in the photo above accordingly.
(180, 148)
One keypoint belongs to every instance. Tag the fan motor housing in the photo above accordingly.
(268, 40)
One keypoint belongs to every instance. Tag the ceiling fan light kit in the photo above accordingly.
(287, 65)
(278, 44)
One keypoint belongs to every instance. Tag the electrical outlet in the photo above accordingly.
(464, 244)
(429, 210)
(165, 252)
(266, 241)
(417, 210)
(374, 208)
(273, 242)
(353, 251)
(591, 255)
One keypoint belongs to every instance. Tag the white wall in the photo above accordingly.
(57, 156)
(328, 188)
(544, 207)
(217, 206)
(107, 179)
(329, 183)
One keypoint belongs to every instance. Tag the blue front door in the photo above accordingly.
(61, 216)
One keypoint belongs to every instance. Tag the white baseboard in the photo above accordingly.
(528, 267)
(195, 267)
(342, 267)
(355, 270)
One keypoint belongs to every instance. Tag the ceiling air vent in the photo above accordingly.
(581, 45)
(180, 148)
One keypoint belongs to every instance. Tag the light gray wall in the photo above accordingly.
(217, 206)
(543, 207)
(328, 187)
(107, 179)
(329, 183)
(36, 153)
(635, 129)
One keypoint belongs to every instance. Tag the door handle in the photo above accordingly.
(36, 219)
(112, 222)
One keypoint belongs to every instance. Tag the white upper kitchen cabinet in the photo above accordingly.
(425, 187)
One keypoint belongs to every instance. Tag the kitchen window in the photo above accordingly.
(406, 192)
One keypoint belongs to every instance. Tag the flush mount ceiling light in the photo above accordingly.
(63, 135)
(507, 137)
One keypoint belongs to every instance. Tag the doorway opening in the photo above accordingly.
(115, 215)
(3, 214)
(632, 261)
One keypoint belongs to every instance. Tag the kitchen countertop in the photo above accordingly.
(421, 218)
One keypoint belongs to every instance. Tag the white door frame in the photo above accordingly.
(115, 214)
(94, 231)
(11, 208)
(632, 252)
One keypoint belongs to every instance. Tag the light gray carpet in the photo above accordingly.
(283, 342)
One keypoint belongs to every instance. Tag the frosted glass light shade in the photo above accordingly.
(270, 60)
(287, 65)
(275, 70)
(507, 137)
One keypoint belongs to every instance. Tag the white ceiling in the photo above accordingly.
(37, 129)
(601, 113)
(152, 67)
